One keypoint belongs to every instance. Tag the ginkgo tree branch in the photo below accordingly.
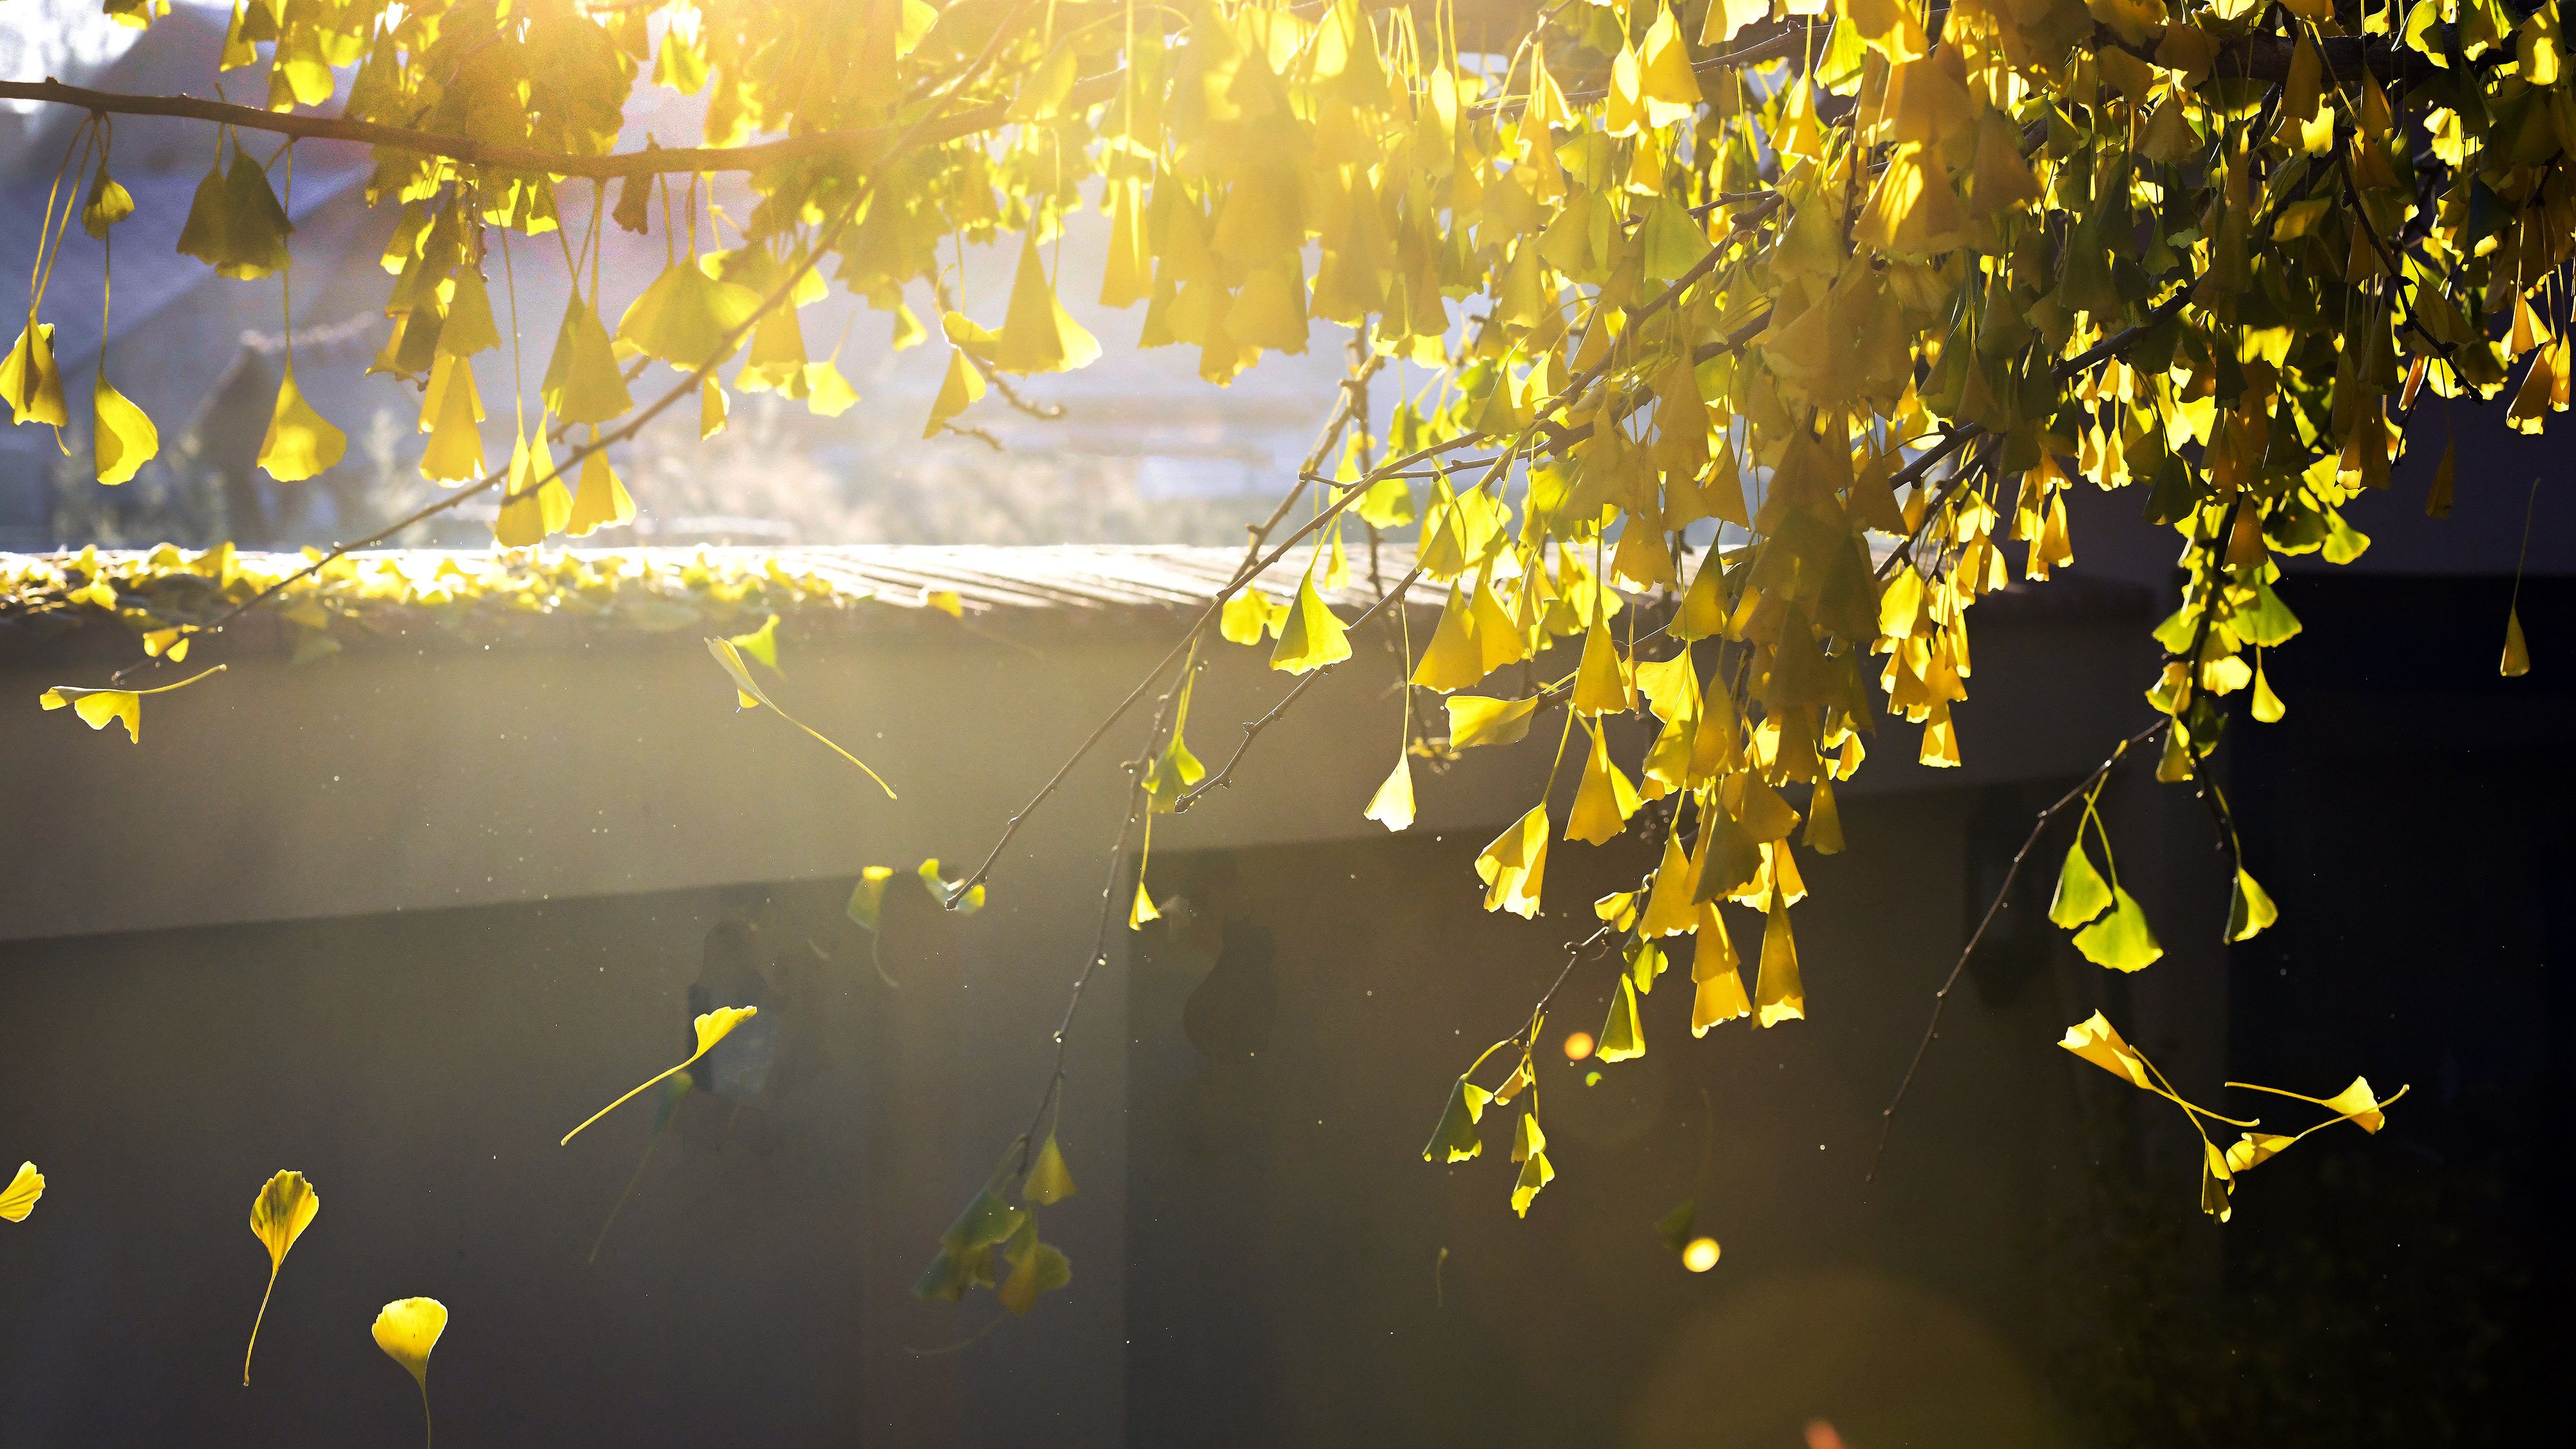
(867, 145)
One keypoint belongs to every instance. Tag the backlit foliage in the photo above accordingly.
(1859, 288)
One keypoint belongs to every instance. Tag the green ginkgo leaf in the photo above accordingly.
(1455, 1139)
(1621, 1038)
(2249, 909)
(1049, 1181)
(1674, 1228)
(2081, 891)
(2120, 940)
(108, 202)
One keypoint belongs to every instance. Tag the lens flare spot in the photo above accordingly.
(1700, 1255)
(1578, 1045)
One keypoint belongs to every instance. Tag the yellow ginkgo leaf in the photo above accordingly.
(2120, 940)
(600, 501)
(2249, 909)
(1037, 334)
(1514, 865)
(1622, 1039)
(1245, 618)
(31, 381)
(466, 328)
(2517, 654)
(123, 438)
(1601, 682)
(1035, 1268)
(1477, 720)
(97, 707)
(686, 318)
(749, 693)
(942, 890)
(827, 393)
(107, 204)
(407, 1329)
(2097, 1041)
(1453, 660)
(867, 898)
(452, 411)
(284, 1208)
(1392, 805)
(1312, 637)
(1049, 1181)
(300, 441)
(1604, 802)
(1778, 994)
(582, 381)
(19, 1198)
(963, 386)
(711, 1027)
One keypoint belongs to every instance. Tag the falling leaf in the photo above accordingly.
(867, 898)
(711, 1027)
(284, 1208)
(407, 1329)
(2120, 940)
(19, 1198)
(944, 890)
(749, 693)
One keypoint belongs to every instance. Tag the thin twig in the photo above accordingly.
(1941, 998)
(870, 145)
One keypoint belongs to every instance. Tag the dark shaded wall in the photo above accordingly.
(418, 1068)
(2410, 812)
(1298, 1275)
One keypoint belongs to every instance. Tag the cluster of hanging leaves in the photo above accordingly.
(1870, 285)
